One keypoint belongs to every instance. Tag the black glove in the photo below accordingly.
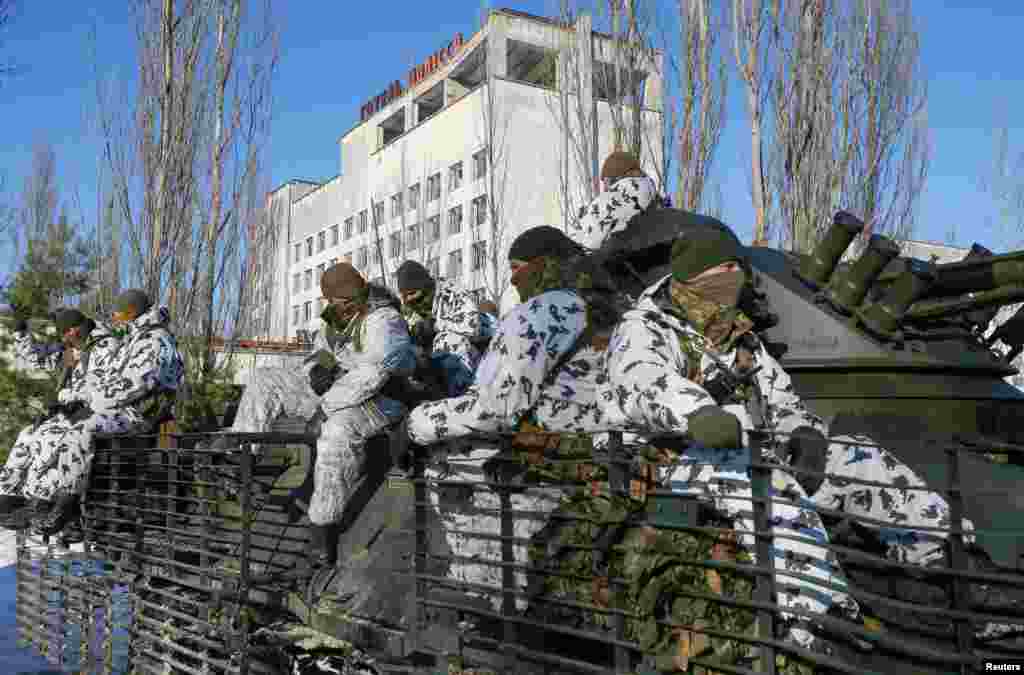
(725, 384)
(423, 334)
(321, 378)
(20, 326)
(76, 411)
(808, 449)
(715, 428)
(54, 408)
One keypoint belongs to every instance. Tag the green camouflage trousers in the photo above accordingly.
(668, 597)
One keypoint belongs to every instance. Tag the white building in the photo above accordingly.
(430, 167)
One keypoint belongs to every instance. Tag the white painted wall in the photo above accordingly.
(528, 137)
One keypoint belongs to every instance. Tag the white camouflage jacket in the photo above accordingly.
(95, 364)
(458, 324)
(146, 362)
(381, 349)
(647, 386)
(612, 210)
(46, 356)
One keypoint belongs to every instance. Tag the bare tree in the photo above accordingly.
(185, 156)
(598, 79)
(752, 25)
(892, 150)
(848, 110)
(40, 194)
(1005, 183)
(574, 113)
(7, 11)
(491, 272)
(702, 76)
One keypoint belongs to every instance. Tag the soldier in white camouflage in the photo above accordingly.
(361, 344)
(627, 193)
(540, 373)
(32, 354)
(445, 324)
(561, 313)
(663, 362)
(29, 457)
(113, 389)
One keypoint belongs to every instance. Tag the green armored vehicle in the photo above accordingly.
(438, 568)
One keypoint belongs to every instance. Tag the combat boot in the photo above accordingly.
(63, 511)
(323, 545)
(11, 503)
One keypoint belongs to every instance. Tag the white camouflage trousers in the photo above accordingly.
(472, 521)
(340, 460)
(54, 459)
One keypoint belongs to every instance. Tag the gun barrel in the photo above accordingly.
(978, 274)
(936, 308)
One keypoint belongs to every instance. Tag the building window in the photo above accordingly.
(362, 221)
(309, 246)
(374, 255)
(295, 314)
(455, 176)
(455, 220)
(454, 271)
(347, 258)
(379, 281)
(348, 228)
(479, 257)
(319, 272)
(395, 244)
(378, 213)
(298, 252)
(414, 197)
(433, 228)
(480, 164)
(434, 267)
(296, 283)
(321, 241)
(361, 257)
(307, 310)
(396, 205)
(334, 235)
(480, 210)
(412, 237)
(307, 280)
(434, 187)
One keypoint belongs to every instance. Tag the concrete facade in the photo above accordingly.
(427, 174)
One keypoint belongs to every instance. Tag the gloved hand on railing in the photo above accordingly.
(423, 333)
(714, 428)
(808, 450)
(725, 385)
(322, 378)
(76, 411)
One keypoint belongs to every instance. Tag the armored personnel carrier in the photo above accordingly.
(448, 567)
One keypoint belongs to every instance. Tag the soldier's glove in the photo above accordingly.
(76, 411)
(714, 428)
(724, 386)
(20, 326)
(808, 450)
(321, 378)
(423, 334)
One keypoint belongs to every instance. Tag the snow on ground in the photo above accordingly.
(8, 548)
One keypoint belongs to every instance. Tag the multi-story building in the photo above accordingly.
(450, 168)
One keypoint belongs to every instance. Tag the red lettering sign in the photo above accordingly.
(416, 75)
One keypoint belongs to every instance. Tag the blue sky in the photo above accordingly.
(335, 55)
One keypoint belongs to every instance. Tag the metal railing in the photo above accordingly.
(550, 557)
(491, 521)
